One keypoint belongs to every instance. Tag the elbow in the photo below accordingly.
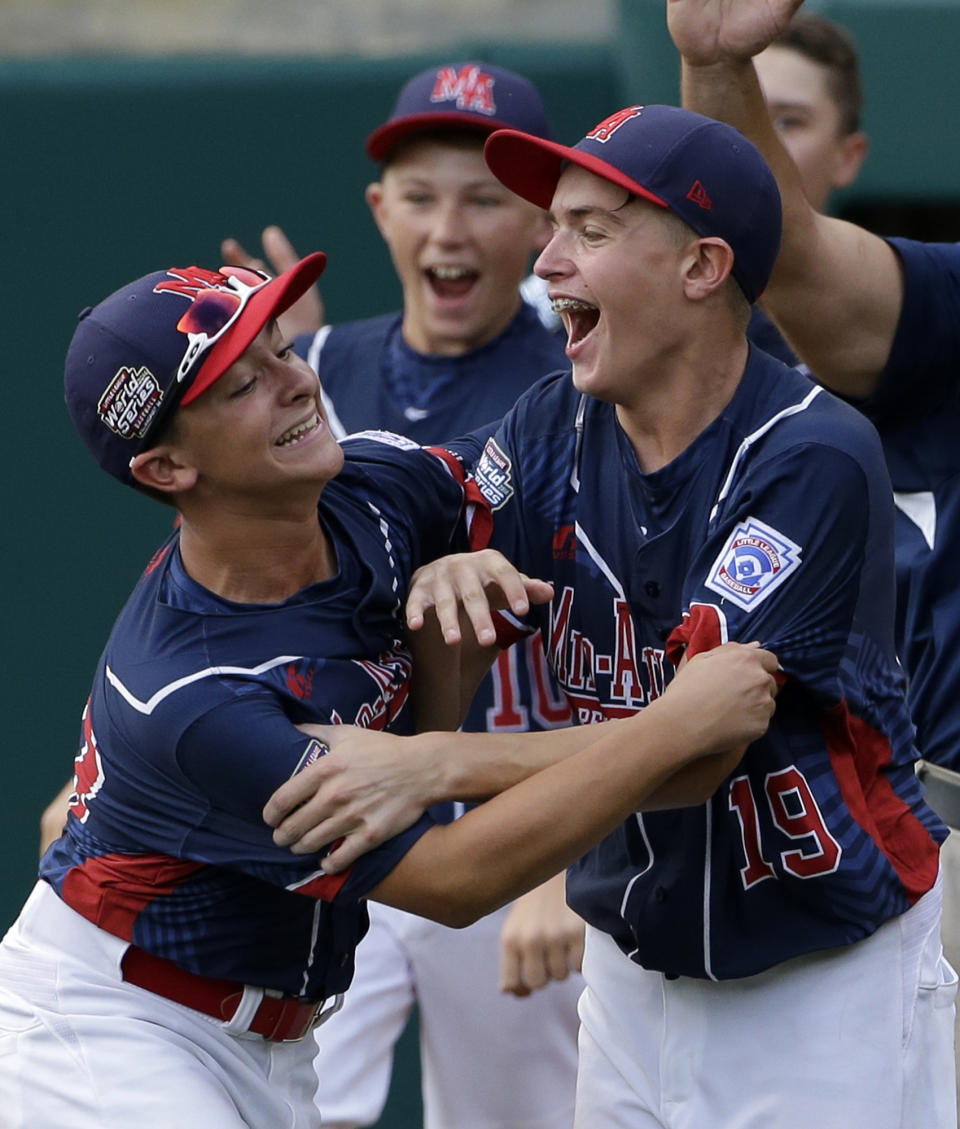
(460, 908)
(459, 900)
(459, 916)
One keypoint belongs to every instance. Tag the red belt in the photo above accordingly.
(280, 1019)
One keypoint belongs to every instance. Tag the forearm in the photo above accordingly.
(445, 677)
(459, 872)
(478, 765)
(371, 785)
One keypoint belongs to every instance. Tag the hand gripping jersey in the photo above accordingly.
(775, 524)
(916, 409)
(190, 727)
(371, 378)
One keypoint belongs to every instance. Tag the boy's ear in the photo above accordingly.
(708, 267)
(373, 194)
(853, 152)
(162, 469)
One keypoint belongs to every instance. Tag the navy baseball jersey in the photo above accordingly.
(762, 333)
(775, 524)
(916, 409)
(370, 377)
(190, 727)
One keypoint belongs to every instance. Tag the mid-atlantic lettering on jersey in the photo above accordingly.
(191, 726)
(774, 524)
(372, 378)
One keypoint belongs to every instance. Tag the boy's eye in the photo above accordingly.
(244, 388)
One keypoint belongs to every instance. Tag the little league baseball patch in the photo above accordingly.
(755, 560)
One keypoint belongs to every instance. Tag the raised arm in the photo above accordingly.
(837, 289)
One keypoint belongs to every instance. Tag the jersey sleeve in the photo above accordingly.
(786, 563)
(237, 755)
(428, 491)
(922, 370)
(497, 471)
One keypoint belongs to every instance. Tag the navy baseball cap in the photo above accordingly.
(704, 171)
(162, 341)
(461, 95)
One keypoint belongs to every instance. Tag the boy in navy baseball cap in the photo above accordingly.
(680, 488)
(703, 171)
(160, 342)
(473, 96)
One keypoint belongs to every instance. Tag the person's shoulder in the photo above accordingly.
(362, 327)
(549, 404)
(375, 445)
(376, 462)
(793, 409)
(344, 335)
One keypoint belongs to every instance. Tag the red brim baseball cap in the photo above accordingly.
(704, 171)
(266, 301)
(162, 341)
(473, 96)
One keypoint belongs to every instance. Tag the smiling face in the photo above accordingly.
(809, 122)
(615, 268)
(460, 242)
(260, 431)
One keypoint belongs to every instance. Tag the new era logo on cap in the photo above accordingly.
(698, 194)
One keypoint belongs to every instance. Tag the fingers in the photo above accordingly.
(288, 797)
(512, 978)
(306, 315)
(529, 966)
(309, 811)
(279, 252)
(538, 591)
(278, 249)
(346, 852)
(732, 688)
(541, 939)
(476, 583)
(234, 254)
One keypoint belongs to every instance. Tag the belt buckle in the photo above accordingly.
(313, 1016)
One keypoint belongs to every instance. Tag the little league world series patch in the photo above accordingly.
(754, 562)
(493, 475)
